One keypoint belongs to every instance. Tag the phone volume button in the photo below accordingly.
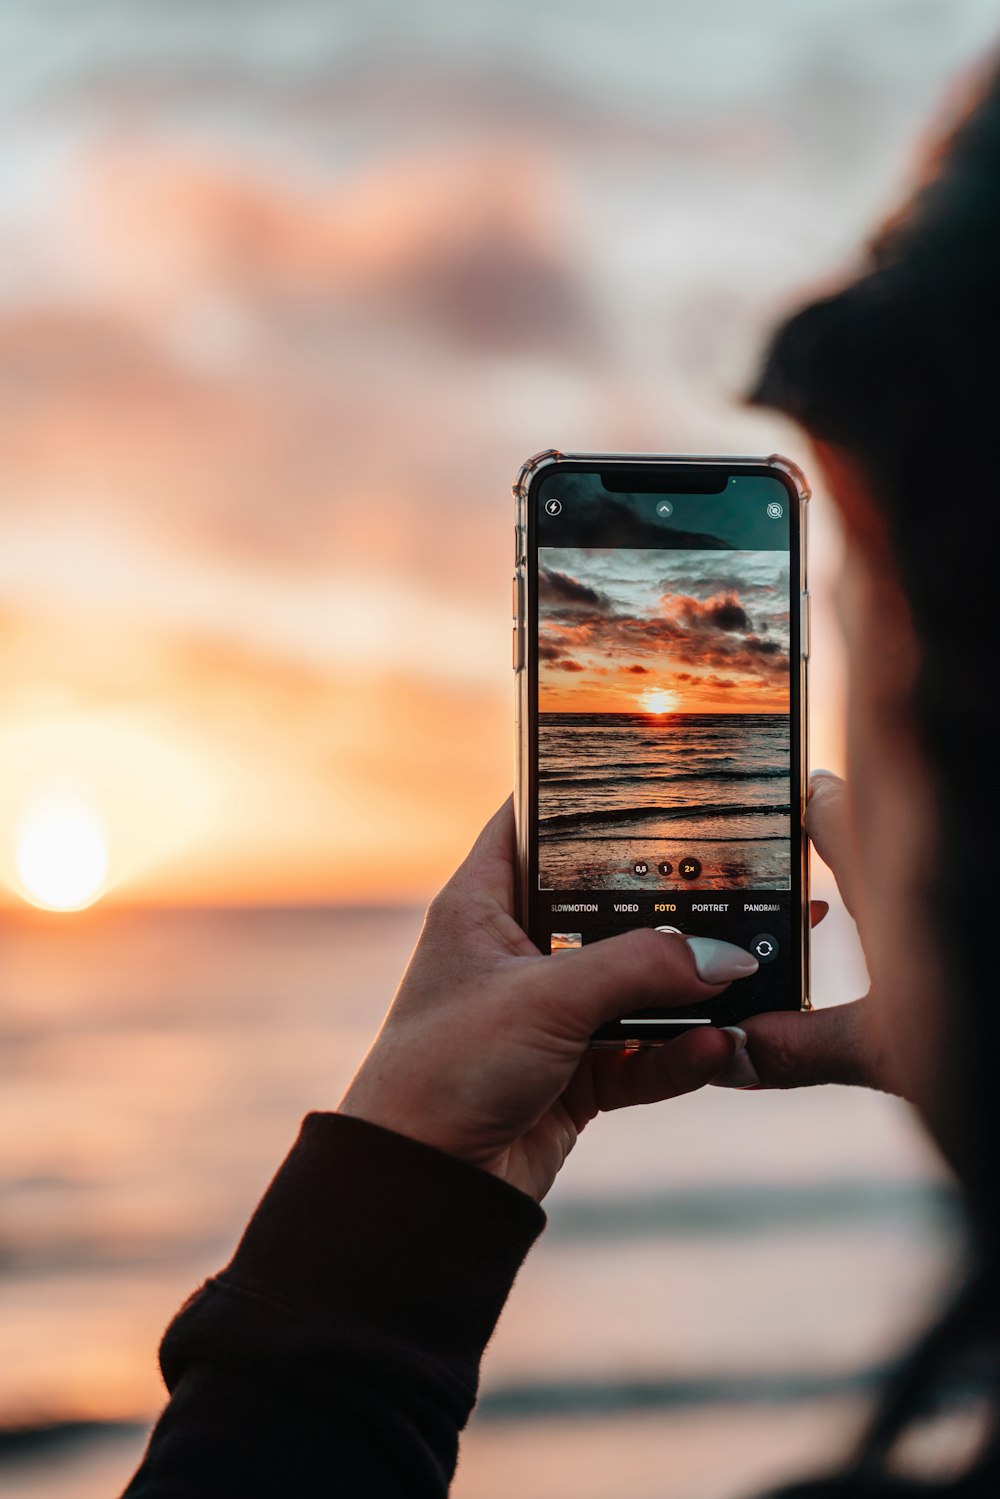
(805, 621)
(515, 651)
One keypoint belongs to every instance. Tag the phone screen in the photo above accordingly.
(665, 682)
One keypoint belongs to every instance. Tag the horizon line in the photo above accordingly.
(672, 712)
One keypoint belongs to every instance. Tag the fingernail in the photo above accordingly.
(739, 1036)
(739, 1071)
(718, 962)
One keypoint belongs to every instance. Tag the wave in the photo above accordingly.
(769, 773)
(45, 1438)
(735, 1210)
(526, 1400)
(596, 815)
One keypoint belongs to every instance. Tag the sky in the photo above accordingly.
(641, 631)
(284, 305)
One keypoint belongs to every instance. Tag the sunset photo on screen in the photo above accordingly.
(663, 716)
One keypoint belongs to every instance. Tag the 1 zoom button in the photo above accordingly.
(764, 948)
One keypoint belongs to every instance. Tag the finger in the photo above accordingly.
(623, 1079)
(480, 894)
(581, 988)
(794, 1049)
(817, 910)
(488, 867)
(829, 827)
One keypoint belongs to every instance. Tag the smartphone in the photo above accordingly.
(661, 636)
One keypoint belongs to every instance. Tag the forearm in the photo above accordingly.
(342, 1344)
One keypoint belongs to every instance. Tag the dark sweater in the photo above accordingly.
(338, 1353)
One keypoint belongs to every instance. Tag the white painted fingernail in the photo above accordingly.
(739, 1072)
(738, 1034)
(718, 962)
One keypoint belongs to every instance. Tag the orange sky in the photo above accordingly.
(258, 432)
(660, 692)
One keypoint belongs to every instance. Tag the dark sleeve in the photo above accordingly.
(338, 1353)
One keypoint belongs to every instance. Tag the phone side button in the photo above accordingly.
(515, 649)
(804, 622)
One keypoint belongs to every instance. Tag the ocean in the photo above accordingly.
(721, 1281)
(617, 787)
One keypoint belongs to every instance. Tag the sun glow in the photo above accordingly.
(658, 700)
(61, 856)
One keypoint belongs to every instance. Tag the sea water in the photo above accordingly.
(614, 788)
(720, 1280)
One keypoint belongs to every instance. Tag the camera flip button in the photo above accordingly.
(764, 948)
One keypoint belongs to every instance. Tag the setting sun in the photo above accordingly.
(658, 700)
(61, 857)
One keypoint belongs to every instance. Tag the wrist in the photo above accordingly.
(409, 1120)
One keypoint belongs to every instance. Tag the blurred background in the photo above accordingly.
(287, 293)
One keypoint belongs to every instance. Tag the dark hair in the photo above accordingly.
(901, 367)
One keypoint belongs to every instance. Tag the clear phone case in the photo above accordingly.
(529, 471)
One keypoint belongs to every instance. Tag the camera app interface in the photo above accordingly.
(664, 750)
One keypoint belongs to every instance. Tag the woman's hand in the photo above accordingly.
(838, 1044)
(484, 1051)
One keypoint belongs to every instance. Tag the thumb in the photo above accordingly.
(828, 823)
(798, 1049)
(582, 988)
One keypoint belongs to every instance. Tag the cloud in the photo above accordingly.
(723, 611)
(568, 664)
(559, 589)
(693, 579)
(727, 613)
(600, 608)
(692, 636)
